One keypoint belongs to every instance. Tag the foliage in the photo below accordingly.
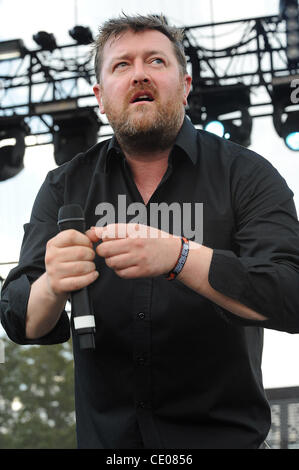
(37, 397)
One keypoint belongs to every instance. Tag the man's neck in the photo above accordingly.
(148, 170)
(147, 159)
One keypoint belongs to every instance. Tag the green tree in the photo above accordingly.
(37, 397)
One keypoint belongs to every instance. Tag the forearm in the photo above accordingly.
(195, 275)
(44, 309)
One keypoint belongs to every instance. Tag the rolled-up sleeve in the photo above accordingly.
(262, 269)
(16, 289)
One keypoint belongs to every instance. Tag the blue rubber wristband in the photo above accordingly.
(181, 260)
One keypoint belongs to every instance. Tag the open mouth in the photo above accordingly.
(142, 98)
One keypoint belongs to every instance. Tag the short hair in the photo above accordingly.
(116, 26)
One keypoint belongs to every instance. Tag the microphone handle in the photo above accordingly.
(82, 311)
(84, 323)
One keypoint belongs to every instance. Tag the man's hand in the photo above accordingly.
(69, 262)
(134, 250)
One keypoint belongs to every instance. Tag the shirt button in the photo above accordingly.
(141, 360)
(141, 315)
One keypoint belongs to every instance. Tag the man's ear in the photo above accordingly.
(187, 87)
(98, 94)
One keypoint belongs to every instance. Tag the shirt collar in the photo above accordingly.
(186, 140)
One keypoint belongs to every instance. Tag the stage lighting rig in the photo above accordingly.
(81, 34)
(57, 82)
(74, 132)
(45, 40)
(12, 128)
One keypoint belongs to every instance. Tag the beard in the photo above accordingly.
(147, 127)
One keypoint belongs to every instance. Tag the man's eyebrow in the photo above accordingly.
(120, 57)
(155, 52)
(126, 55)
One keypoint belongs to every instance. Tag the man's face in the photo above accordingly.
(143, 91)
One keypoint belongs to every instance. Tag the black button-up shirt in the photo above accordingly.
(171, 369)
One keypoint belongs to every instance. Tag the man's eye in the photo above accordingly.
(120, 65)
(158, 60)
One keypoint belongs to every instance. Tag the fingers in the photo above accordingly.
(74, 268)
(69, 245)
(136, 250)
(120, 262)
(121, 231)
(111, 232)
(75, 253)
(70, 238)
(69, 261)
(130, 230)
(92, 235)
(69, 284)
(113, 248)
(131, 272)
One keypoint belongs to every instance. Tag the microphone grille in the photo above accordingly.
(70, 211)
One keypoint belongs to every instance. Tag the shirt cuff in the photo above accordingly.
(229, 276)
(225, 265)
(13, 315)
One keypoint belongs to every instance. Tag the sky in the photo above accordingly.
(23, 18)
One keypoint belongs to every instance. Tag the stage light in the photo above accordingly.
(50, 107)
(215, 127)
(13, 49)
(292, 141)
(229, 130)
(74, 132)
(217, 103)
(289, 11)
(290, 131)
(285, 112)
(45, 40)
(239, 133)
(81, 34)
(288, 8)
(12, 128)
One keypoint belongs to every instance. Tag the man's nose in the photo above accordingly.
(140, 74)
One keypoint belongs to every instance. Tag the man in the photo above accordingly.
(179, 322)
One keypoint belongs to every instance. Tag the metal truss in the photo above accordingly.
(249, 51)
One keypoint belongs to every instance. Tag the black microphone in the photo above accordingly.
(72, 217)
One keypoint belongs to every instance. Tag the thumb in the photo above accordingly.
(91, 234)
